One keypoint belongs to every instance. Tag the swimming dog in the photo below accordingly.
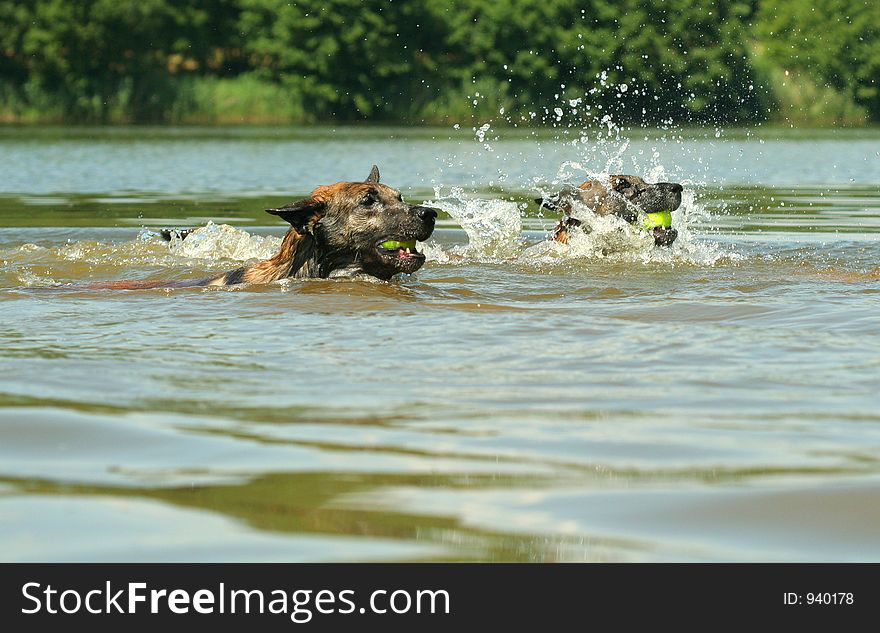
(347, 229)
(627, 197)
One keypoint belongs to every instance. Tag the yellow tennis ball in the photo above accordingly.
(658, 218)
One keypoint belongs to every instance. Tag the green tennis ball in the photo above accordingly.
(393, 245)
(658, 218)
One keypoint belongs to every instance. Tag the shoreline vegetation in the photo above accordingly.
(696, 62)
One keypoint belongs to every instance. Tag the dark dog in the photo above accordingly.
(627, 197)
(346, 229)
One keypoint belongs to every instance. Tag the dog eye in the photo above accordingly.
(400, 197)
(368, 200)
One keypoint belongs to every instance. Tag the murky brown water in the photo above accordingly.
(605, 401)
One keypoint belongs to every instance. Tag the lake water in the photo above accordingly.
(512, 401)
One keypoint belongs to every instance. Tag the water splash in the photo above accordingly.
(494, 234)
(222, 241)
(613, 239)
(591, 144)
(29, 279)
(493, 227)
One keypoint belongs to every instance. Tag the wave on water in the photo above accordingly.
(209, 248)
(494, 230)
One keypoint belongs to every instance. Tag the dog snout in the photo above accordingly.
(426, 214)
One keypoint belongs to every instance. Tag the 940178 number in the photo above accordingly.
(829, 598)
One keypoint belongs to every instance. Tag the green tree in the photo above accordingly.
(836, 42)
(345, 59)
(96, 55)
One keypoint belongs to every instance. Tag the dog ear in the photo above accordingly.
(302, 215)
(374, 175)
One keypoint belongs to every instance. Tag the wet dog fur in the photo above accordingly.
(626, 197)
(336, 231)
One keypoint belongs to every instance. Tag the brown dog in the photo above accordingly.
(624, 196)
(346, 229)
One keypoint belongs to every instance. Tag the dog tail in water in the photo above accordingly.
(145, 284)
(171, 234)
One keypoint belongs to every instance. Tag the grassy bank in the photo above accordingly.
(793, 99)
(195, 100)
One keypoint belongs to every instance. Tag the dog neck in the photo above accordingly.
(295, 252)
(299, 256)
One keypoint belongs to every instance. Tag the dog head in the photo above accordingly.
(623, 196)
(365, 226)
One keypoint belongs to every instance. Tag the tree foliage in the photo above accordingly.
(418, 60)
(836, 42)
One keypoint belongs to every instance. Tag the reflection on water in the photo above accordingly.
(513, 401)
